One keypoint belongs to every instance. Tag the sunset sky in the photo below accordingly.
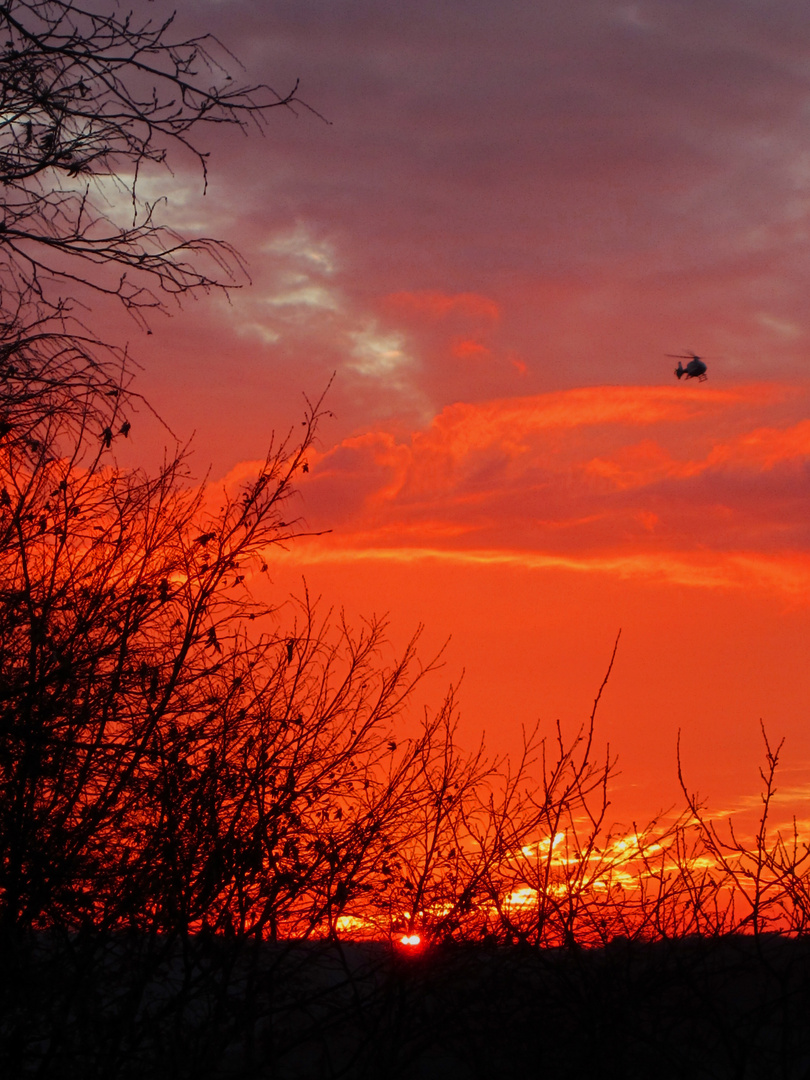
(513, 213)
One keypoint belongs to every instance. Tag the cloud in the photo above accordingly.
(573, 193)
(517, 482)
(298, 291)
(303, 304)
(468, 349)
(765, 448)
(641, 464)
(299, 244)
(378, 354)
(513, 200)
(739, 570)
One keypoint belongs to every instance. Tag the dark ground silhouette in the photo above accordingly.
(715, 1008)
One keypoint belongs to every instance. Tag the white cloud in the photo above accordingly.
(267, 335)
(300, 297)
(376, 353)
(782, 327)
(299, 244)
(179, 200)
(303, 293)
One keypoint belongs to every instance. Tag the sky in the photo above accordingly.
(501, 221)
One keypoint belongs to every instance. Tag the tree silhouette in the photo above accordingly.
(92, 103)
(183, 770)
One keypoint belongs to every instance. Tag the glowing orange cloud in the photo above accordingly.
(647, 462)
(467, 349)
(766, 447)
(506, 420)
(640, 464)
(561, 481)
(517, 434)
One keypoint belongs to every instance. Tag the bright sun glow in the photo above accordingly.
(410, 940)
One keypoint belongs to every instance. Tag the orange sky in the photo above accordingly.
(516, 211)
(531, 530)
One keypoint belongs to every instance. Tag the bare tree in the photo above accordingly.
(184, 770)
(91, 102)
(761, 881)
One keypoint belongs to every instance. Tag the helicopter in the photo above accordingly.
(695, 369)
